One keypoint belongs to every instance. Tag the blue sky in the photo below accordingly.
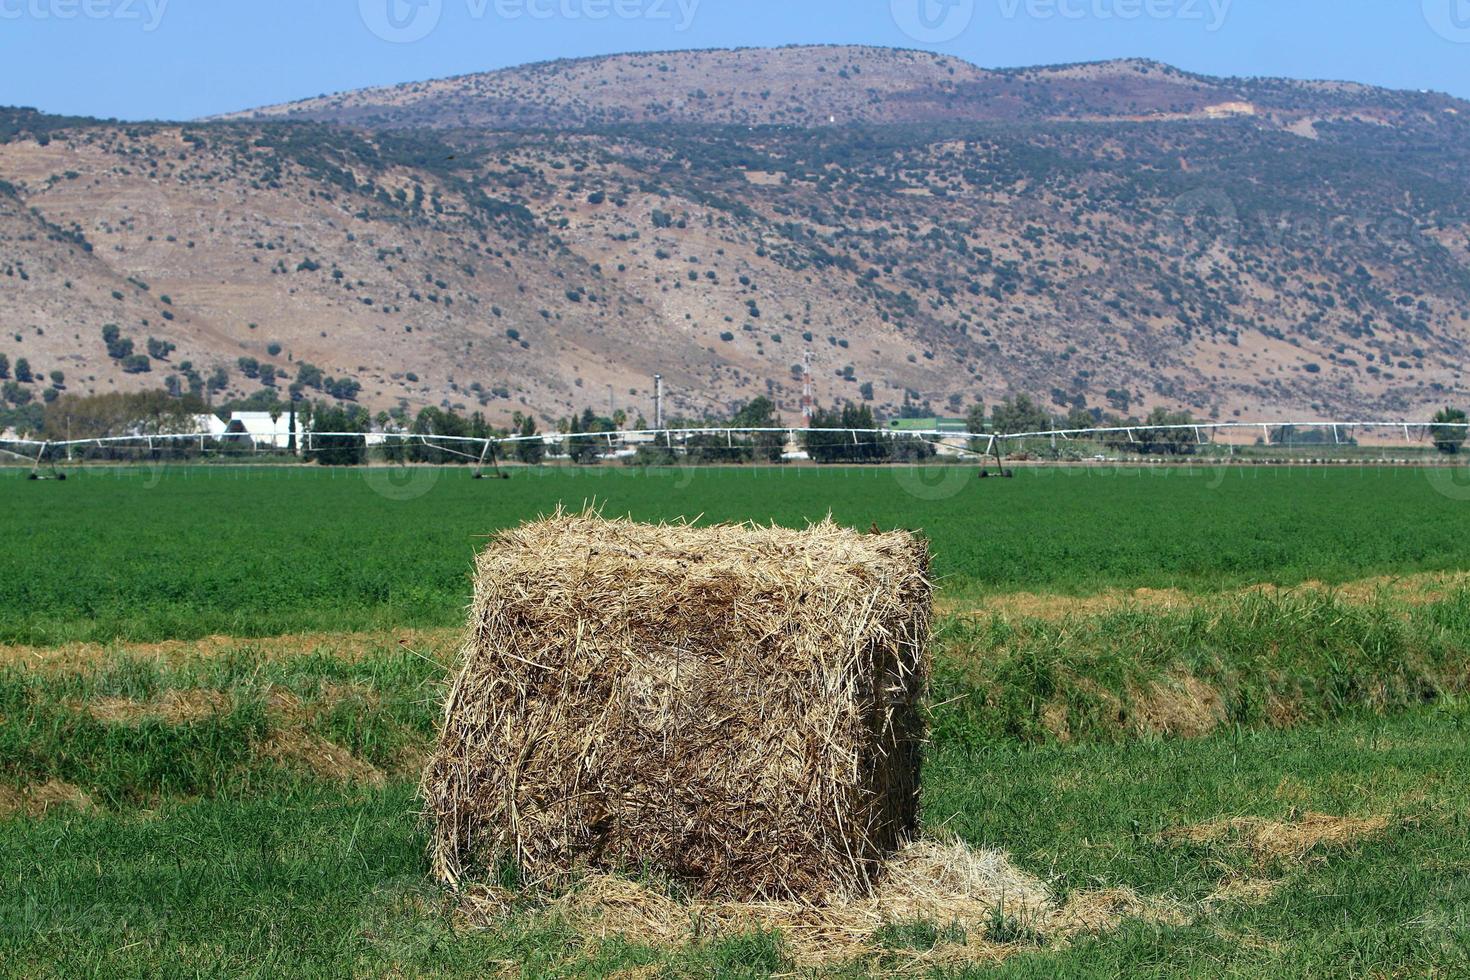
(177, 59)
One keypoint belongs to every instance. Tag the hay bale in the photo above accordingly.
(735, 707)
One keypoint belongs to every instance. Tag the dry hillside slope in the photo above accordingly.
(1114, 236)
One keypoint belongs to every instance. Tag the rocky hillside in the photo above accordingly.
(824, 86)
(1117, 236)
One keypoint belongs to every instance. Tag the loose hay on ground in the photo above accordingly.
(324, 759)
(42, 798)
(964, 893)
(1413, 590)
(183, 706)
(1180, 705)
(434, 644)
(734, 706)
(172, 707)
(1281, 839)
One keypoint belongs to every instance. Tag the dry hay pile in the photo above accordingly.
(947, 885)
(978, 906)
(733, 707)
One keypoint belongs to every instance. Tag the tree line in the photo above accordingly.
(846, 434)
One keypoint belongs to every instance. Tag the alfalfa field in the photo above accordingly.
(1233, 698)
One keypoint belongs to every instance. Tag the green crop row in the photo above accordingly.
(186, 552)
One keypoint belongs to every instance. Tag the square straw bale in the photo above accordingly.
(734, 707)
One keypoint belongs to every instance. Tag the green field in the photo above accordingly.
(246, 804)
(188, 552)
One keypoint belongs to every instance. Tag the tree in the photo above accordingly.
(15, 394)
(1166, 441)
(23, 371)
(529, 452)
(119, 413)
(867, 449)
(342, 389)
(117, 347)
(433, 421)
(914, 409)
(586, 450)
(909, 449)
(760, 413)
(975, 420)
(310, 375)
(159, 350)
(1020, 414)
(658, 453)
(1449, 440)
(291, 441)
(844, 446)
(4, 368)
(1081, 418)
(345, 449)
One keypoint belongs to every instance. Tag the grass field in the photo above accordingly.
(182, 553)
(1284, 769)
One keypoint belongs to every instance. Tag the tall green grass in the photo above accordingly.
(1307, 656)
(1266, 662)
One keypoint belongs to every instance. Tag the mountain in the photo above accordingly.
(824, 86)
(543, 239)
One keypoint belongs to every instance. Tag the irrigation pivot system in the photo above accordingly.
(45, 456)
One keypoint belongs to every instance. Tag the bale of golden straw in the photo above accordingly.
(736, 708)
